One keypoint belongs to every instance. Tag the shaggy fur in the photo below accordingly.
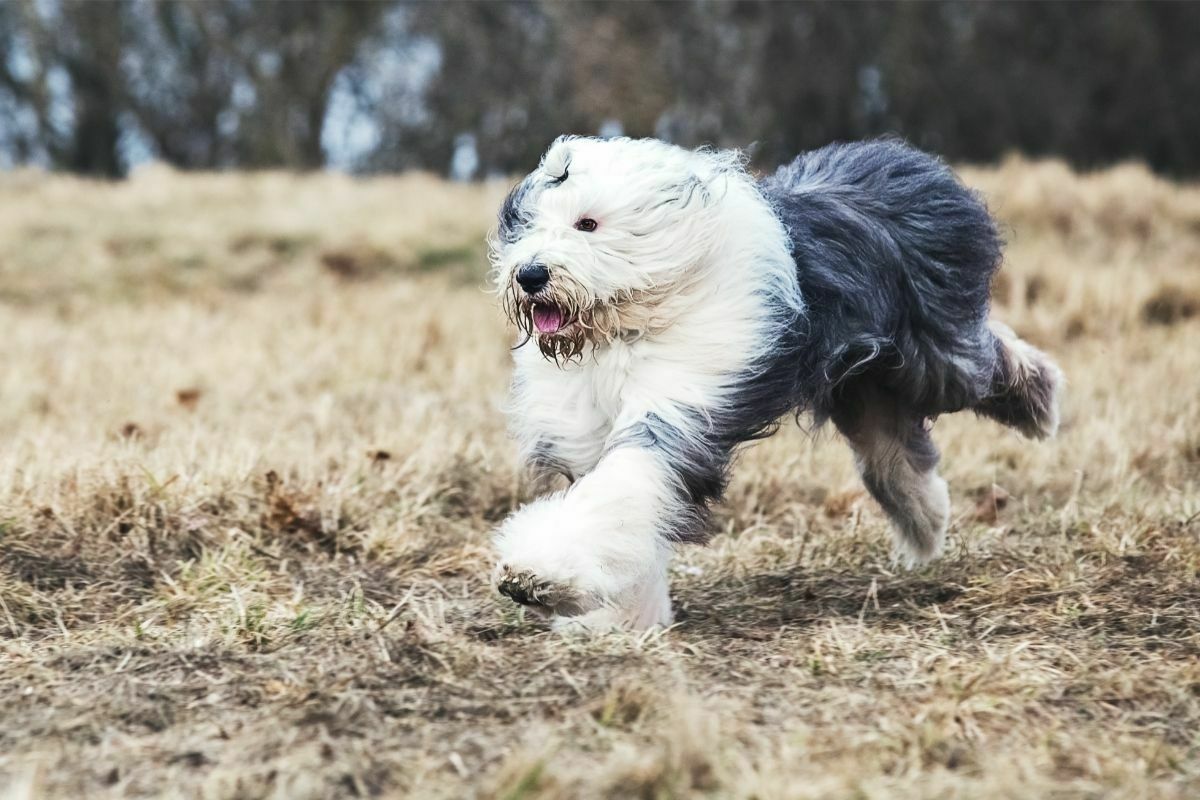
(689, 308)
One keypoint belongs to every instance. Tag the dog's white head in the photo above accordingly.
(593, 240)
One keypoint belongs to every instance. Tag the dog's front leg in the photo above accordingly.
(596, 555)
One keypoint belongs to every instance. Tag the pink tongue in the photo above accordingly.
(547, 319)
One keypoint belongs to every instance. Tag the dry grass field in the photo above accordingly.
(250, 454)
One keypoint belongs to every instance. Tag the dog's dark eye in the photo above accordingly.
(587, 225)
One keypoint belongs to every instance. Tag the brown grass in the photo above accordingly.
(251, 455)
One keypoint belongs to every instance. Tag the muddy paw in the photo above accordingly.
(526, 588)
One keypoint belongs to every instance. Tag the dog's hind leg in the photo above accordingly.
(897, 460)
(1025, 386)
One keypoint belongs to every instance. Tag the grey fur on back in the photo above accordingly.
(895, 259)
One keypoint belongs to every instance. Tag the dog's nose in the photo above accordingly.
(533, 277)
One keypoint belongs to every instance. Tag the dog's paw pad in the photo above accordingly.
(526, 588)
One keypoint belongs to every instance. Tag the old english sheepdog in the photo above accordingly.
(672, 307)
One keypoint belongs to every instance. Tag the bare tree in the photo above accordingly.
(78, 46)
(222, 83)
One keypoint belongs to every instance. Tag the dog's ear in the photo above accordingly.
(556, 164)
(692, 189)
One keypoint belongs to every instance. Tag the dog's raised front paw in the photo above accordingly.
(569, 564)
(525, 587)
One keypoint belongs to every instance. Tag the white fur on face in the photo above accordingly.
(652, 204)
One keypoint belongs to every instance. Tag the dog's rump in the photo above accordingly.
(895, 258)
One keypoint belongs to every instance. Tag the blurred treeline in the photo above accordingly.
(479, 88)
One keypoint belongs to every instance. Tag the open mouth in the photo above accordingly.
(548, 319)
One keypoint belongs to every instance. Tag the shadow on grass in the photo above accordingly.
(754, 605)
(1133, 602)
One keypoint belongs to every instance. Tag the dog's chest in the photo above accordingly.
(583, 407)
(608, 380)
